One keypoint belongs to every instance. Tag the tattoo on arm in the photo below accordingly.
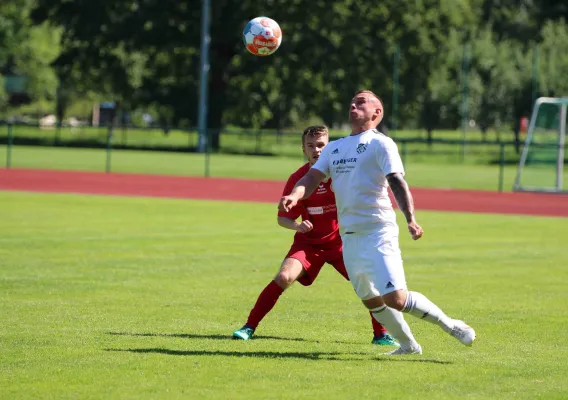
(402, 195)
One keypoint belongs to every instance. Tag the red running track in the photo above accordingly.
(51, 181)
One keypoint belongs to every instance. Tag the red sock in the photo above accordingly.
(378, 329)
(266, 300)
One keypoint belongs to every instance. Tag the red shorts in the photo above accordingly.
(313, 257)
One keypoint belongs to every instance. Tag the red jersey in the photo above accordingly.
(319, 209)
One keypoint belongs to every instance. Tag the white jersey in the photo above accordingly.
(358, 166)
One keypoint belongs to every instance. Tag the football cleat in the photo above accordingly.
(385, 340)
(463, 332)
(404, 351)
(245, 333)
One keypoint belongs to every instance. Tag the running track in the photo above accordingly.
(50, 181)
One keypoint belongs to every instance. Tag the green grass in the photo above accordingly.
(420, 173)
(154, 162)
(109, 297)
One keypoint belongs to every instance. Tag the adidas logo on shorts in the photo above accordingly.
(389, 285)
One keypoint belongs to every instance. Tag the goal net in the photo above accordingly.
(543, 163)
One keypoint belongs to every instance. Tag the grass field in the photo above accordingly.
(109, 297)
(419, 173)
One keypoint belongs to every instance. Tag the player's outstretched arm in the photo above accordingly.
(303, 189)
(309, 182)
(403, 198)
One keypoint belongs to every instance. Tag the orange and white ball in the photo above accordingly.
(262, 36)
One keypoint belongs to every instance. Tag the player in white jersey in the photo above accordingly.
(362, 166)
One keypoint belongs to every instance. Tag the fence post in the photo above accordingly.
(190, 138)
(501, 165)
(257, 141)
(109, 149)
(58, 133)
(207, 150)
(9, 148)
(124, 138)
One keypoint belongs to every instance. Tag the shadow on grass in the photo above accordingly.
(254, 354)
(214, 337)
(332, 356)
(416, 360)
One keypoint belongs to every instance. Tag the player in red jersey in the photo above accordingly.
(316, 242)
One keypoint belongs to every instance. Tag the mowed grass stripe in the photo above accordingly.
(137, 298)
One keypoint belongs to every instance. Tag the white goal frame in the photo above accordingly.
(562, 102)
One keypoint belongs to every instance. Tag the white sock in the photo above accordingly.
(395, 324)
(418, 305)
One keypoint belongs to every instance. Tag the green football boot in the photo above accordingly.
(384, 340)
(245, 333)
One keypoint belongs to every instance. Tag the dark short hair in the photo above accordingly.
(314, 131)
(371, 93)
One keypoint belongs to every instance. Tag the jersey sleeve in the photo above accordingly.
(296, 211)
(388, 157)
(322, 164)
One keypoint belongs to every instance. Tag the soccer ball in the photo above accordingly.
(262, 36)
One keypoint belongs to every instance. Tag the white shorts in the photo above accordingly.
(373, 262)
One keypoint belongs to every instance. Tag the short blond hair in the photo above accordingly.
(314, 131)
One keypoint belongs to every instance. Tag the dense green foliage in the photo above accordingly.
(145, 54)
(26, 52)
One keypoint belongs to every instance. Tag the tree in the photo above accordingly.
(329, 51)
(554, 59)
(146, 54)
(27, 51)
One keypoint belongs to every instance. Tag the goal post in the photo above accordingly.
(542, 166)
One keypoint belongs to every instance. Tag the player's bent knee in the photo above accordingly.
(373, 303)
(284, 280)
(395, 299)
(290, 271)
